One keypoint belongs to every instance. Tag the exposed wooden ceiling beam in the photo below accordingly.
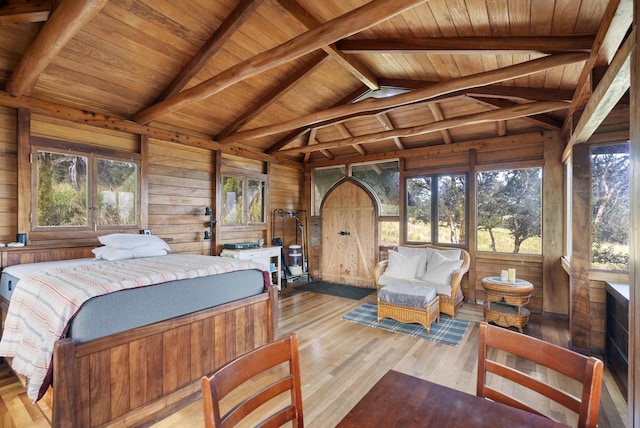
(437, 115)
(351, 64)
(507, 113)
(613, 28)
(497, 91)
(386, 124)
(380, 104)
(451, 45)
(460, 147)
(65, 22)
(273, 95)
(120, 124)
(342, 129)
(521, 93)
(542, 120)
(296, 133)
(613, 85)
(24, 11)
(350, 23)
(501, 127)
(312, 140)
(224, 32)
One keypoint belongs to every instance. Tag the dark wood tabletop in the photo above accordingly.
(400, 400)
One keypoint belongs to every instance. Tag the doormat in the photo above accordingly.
(449, 331)
(335, 289)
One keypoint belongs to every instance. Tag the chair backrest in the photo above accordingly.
(263, 359)
(586, 370)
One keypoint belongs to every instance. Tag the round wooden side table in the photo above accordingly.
(505, 301)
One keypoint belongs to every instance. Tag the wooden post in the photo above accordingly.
(633, 398)
(579, 315)
(64, 387)
(555, 288)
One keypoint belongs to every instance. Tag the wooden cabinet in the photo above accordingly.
(266, 256)
(617, 332)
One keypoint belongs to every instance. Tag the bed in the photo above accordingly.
(129, 358)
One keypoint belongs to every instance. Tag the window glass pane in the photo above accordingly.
(323, 180)
(389, 233)
(117, 182)
(383, 179)
(62, 189)
(451, 209)
(610, 207)
(419, 209)
(231, 200)
(510, 211)
(255, 195)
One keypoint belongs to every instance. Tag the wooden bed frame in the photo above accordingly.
(139, 376)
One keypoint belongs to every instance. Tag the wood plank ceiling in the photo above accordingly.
(312, 80)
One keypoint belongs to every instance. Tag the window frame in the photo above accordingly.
(92, 153)
(245, 202)
(592, 148)
(434, 208)
(509, 167)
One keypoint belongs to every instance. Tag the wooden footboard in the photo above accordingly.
(139, 376)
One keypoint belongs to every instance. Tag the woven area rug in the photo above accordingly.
(335, 289)
(449, 331)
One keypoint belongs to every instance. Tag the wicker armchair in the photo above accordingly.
(449, 304)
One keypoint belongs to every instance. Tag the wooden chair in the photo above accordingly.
(586, 370)
(242, 370)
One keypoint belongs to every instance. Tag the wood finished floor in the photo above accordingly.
(341, 361)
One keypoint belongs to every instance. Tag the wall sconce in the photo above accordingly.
(208, 234)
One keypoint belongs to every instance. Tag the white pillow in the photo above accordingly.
(453, 254)
(440, 269)
(422, 253)
(401, 266)
(113, 254)
(130, 240)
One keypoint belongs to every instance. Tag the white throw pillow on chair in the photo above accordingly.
(440, 269)
(422, 253)
(401, 266)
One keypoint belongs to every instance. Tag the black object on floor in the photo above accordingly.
(335, 289)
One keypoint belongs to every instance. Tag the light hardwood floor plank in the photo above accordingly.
(341, 361)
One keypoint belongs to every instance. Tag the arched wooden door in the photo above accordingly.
(349, 236)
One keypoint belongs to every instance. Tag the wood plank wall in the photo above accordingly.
(180, 187)
(8, 175)
(285, 191)
(181, 182)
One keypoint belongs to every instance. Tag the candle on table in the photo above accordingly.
(512, 275)
(504, 275)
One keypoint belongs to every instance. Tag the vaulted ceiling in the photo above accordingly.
(312, 80)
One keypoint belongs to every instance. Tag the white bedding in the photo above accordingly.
(11, 274)
(21, 270)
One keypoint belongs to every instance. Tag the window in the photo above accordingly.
(436, 209)
(242, 200)
(77, 190)
(383, 179)
(610, 207)
(323, 181)
(510, 211)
